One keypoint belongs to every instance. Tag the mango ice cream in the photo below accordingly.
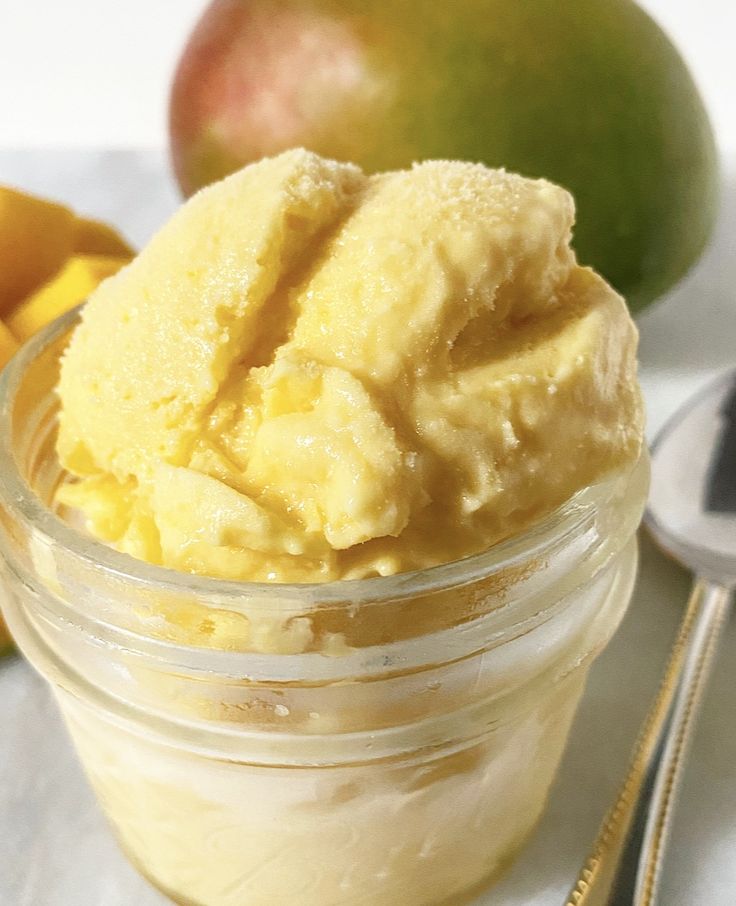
(312, 374)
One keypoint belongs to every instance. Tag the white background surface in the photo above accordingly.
(94, 74)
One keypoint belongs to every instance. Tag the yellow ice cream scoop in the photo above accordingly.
(311, 373)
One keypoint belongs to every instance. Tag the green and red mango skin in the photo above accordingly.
(588, 93)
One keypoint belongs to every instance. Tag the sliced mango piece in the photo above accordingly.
(6, 642)
(8, 345)
(71, 286)
(93, 237)
(36, 238)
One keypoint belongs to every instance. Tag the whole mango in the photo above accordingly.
(588, 93)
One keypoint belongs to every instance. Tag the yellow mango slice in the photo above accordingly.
(93, 237)
(71, 286)
(36, 238)
(8, 345)
(6, 643)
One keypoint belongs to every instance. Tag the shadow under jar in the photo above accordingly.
(360, 743)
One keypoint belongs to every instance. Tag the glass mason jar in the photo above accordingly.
(382, 741)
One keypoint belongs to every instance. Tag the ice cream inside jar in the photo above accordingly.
(313, 374)
(386, 431)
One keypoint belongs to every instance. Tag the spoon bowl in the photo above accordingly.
(692, 503)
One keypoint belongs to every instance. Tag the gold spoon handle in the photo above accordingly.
(624, 865)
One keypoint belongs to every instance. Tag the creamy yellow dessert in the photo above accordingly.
(312, 374)
(309, 370)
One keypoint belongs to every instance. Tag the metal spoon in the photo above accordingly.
(692, 515)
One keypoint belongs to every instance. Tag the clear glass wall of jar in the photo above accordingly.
(363, 743)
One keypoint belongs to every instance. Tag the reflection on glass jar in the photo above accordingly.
(382, 741)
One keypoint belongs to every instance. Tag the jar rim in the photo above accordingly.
(20, 500)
